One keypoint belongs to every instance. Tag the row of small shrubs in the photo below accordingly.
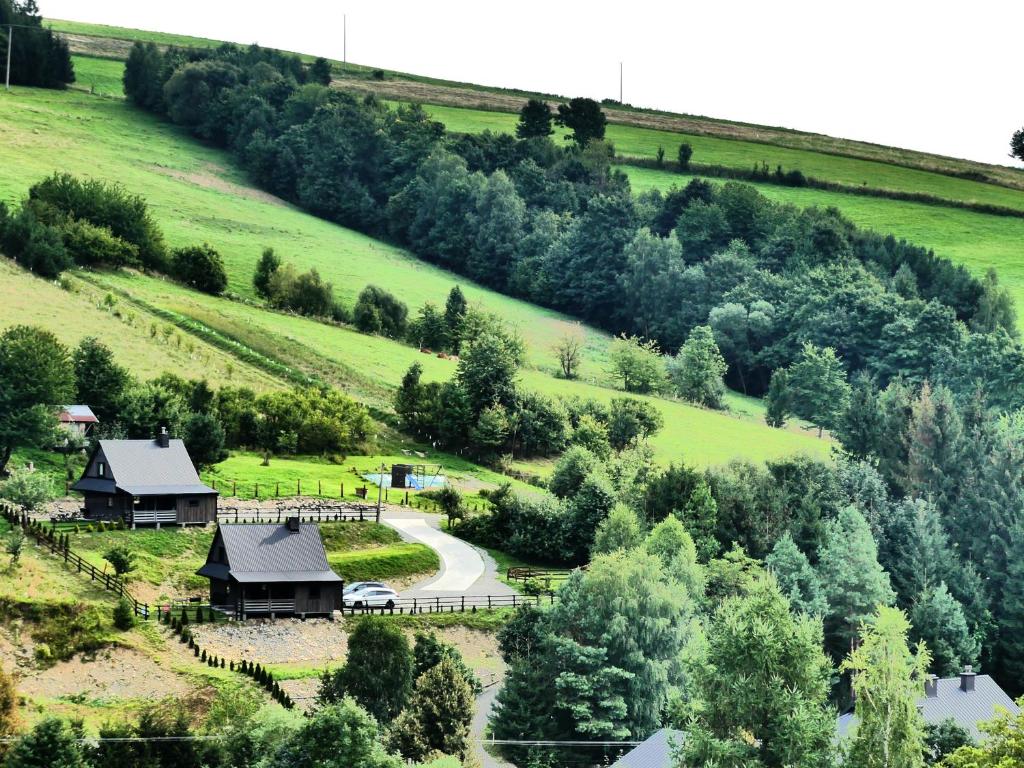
(180, 626)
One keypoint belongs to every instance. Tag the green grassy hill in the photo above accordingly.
(198, 195)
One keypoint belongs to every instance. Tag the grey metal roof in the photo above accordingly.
(966, 708)
(78, 413)
(655, 752)
(143, 468)
(266, 552)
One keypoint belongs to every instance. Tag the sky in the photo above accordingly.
(935, 76)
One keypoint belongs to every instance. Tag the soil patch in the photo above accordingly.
(209, 178)
(113, 673)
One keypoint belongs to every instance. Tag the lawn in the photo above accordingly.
(976, 240)
(632, 141)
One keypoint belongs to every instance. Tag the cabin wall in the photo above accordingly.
(96, 506)
(317, 598)
(197, 509)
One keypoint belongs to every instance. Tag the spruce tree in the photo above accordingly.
(854, 583)
(938, 621)
(796, 578)
(1010, 616)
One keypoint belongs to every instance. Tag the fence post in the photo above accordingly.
(298, 487)
(257, 494)
(319, 488)
(341, 495)
(277, 491)
(234, 488)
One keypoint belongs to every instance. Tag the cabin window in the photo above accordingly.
(110, 502)
(101, 469)
(314, 593)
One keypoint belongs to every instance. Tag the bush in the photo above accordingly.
(378, 311)
(124, 615)
(35, 245)
(90, 245)
(200, 267)
(63, 197)
(121, 558)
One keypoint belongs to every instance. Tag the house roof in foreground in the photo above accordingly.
(264, 552)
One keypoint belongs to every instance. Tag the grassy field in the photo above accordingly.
(140, 341)
(198, 195)
(975, 240)
(631, 141)
(99, 76)
(694, 434)
(114, 42)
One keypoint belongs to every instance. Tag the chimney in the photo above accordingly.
(931, 687)
(293, 524)
(163, 439)
(967, 679)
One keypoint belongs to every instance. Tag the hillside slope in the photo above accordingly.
(198, 195)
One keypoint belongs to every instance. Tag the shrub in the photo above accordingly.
(62, 196)
(200, 267)
(378, 311)
(35, 245)
(124, 615)
(121, 559)
(90, 245)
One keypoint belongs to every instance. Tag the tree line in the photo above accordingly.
(39, 375)
(39, 58)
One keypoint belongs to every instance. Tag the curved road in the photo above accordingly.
(465, 569)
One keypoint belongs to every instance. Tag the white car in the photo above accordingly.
(370, 597)
(356, 586)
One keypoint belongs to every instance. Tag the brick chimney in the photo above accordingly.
(163, 439)
(931, 687)
(293, 524)
(967, 679)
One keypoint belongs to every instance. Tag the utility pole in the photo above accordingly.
(344, 38)
(10, 38)
(620, 82)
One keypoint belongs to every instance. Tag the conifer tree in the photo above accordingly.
(938, 621)
(853, 581)
(796, 578)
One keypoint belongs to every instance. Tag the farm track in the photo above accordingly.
(478, 97)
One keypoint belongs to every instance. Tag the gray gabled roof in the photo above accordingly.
(143, 468)
(260, 553)
(966, 708)
(655, 752)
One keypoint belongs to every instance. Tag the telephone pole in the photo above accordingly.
(10, 38)
(344, 38)
(620, 82)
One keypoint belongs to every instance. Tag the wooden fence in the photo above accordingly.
(327, 513)
(454, 604)
(59, 546)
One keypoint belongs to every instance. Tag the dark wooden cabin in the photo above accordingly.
(271, 569)
(145, 482)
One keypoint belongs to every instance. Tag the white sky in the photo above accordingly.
(937, 76)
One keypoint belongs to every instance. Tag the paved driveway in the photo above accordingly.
(465, 569)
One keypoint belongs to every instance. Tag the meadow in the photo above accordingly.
(141, 342)
(697, 435)
(632, 141)
(197, 195)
